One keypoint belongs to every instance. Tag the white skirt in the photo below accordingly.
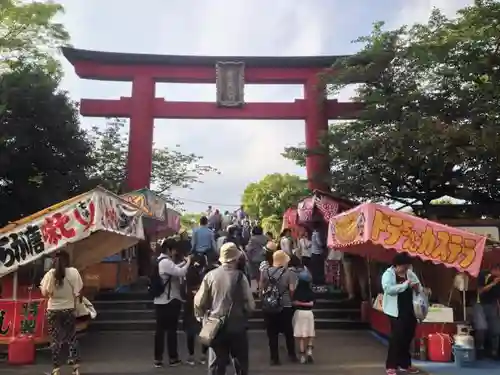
(303, 323)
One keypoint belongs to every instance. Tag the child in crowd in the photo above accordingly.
(303, 318)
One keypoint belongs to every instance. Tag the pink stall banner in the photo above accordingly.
(378, 232)
(305, 209)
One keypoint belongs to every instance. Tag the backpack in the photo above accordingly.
(156, 286)
(272, 298)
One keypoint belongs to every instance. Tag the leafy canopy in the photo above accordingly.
(429, 127)
(171, 168)
(44, 155)
(29, 34)
(273, 195)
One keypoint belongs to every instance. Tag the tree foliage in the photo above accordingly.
(429, 127)
(272, 224)
(29, 33)
(44, 154)
(171, 168)
(273, 195)
(190, 220)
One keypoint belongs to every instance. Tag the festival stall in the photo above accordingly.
(319, 208)
(377, 232)
(119, 270)
(90, 227)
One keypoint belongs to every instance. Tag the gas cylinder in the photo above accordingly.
(21, 350)
(439, 347)
(464, 341)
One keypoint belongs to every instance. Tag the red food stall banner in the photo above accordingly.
(376, 231)
(22, 317)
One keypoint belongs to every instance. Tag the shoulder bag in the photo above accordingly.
(212, 326)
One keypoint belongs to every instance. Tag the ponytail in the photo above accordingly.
(61, 262)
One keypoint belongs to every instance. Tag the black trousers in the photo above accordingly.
(277, 323)
(229, 348)
(318, 269)
(167, 320)
(306, 261)
(402, 334)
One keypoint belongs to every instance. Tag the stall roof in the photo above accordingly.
(378, 232)
(14, 224)
(92, 226)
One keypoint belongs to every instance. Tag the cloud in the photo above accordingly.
(243, 150)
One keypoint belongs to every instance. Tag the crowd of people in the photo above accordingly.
(208, 279)
(216, 277)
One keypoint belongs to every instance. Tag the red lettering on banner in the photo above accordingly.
(87, 216)
(54, 228)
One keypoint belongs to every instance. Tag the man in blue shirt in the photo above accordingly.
(203, 240)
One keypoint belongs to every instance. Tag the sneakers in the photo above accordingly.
(303, 359)
(158, 364)
(410, 370)
(174, 362)
(309, 354)
(203, 359)
(391, 371)
(190, 361)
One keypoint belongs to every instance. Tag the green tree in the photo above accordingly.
(44, 155)
(30, 34)
(429, 124)
(273, 195)
(171, 168)
(272, 224)
(190, 220)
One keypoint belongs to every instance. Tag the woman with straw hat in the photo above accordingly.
(277, 284)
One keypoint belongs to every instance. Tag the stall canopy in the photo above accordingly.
(159, 221)
(90, 226)
(377, 232)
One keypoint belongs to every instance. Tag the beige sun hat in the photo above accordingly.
(229, 252)
(280, 259)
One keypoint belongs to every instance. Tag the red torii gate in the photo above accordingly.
(230, 74)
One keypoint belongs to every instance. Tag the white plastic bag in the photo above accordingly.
(420, 305)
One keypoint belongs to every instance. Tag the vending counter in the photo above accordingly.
(439, 320)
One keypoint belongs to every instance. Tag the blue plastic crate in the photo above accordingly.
(464, 357)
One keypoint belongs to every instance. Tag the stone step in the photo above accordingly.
(147, 304)
(254, 324)
(142, 295)
(149, 314)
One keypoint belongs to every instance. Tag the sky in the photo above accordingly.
(243, 151)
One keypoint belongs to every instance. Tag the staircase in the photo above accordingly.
(133, 311)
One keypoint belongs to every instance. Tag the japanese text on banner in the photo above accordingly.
(430, 242)
(46, 234)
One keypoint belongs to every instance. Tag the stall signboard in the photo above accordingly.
(152, 204)
(22, 317)
(373, 224)
(66, 223)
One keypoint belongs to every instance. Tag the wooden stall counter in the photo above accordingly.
(379, 322)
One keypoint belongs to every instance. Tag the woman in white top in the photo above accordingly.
(304, 248)
(62, 285)
(286, 242)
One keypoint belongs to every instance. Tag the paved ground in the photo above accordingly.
(129, 353)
